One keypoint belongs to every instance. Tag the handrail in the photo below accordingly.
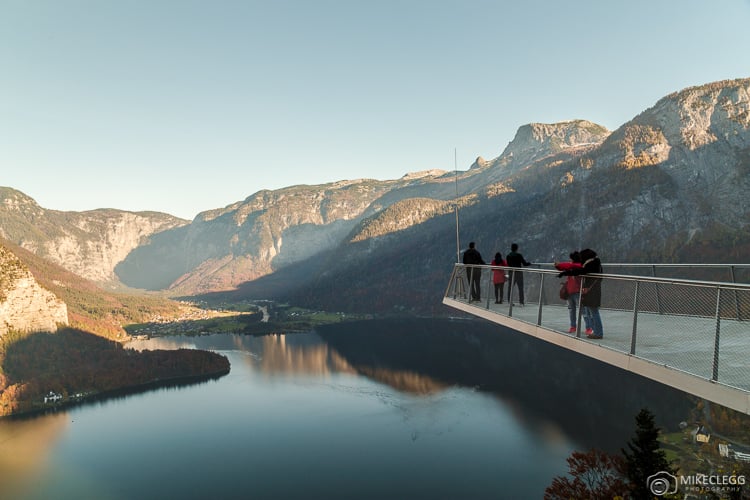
(681, 264)
(687, 325)
(625, 277)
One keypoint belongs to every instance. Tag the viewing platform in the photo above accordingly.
(693, 335)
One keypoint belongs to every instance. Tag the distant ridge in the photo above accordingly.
(89, 243)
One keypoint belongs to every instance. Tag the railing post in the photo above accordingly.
(510, 295)
(580, 311)
(635, 319)
(736, 296)
(458, 282)
(541, 292)
(489, 287)
(658, 295)
(715, 375)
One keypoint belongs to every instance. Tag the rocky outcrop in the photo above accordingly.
(24, 305)
(536, 141)
(89, 243)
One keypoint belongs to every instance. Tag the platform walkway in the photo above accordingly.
(691, 335)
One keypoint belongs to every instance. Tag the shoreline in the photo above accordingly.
(94, 397)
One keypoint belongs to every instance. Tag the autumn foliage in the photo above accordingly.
(593, 475)
(73, 361)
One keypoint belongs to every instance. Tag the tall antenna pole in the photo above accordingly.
(455, 170)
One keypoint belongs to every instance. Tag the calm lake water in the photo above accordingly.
(349, 414)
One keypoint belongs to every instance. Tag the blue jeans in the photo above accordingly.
(595, 320)
(573, 311)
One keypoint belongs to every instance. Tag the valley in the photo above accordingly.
(668, 186)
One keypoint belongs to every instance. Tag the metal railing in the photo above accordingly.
(699, 327)
(725, 273)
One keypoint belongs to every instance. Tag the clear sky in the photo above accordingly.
(182, 106)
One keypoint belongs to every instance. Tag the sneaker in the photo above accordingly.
(589, 331)
(594, 336)
(572, 329)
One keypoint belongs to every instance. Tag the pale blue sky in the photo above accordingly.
(182, 106)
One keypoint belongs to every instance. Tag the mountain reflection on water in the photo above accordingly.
(596, 403)
(407, 408)
(299, 353)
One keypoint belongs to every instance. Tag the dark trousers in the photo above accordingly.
(475, 285)
(516, 278)
(499, 287)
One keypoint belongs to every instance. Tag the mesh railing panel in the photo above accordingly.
(699, 328)
(720, 273)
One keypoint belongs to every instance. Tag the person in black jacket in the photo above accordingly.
(515, 259)
(591, 290)
(472, 257)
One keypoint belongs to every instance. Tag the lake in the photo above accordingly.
(379, 409)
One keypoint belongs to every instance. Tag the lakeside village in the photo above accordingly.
(196, 318)
(257, 316)
(701, 437)
(53, 398)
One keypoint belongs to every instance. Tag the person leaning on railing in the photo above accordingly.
(591, 290)
(515, 259)
(573, 289)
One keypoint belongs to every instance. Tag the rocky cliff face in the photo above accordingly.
(536, 141)
(24, 305)
(89, 244)
(267, 231)
(699, 139)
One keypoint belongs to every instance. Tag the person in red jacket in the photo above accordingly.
(498, 277)
(573, 287)
(591, 290)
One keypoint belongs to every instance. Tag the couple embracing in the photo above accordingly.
(587, 288)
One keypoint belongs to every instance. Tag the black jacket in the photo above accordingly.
(515, 259)
(472, 256)
(590, 287)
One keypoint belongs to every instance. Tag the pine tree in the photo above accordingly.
(644, 458)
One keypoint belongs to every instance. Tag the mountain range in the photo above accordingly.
(670, 185)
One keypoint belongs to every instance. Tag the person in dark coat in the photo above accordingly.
(472, 257)
(591, 290)
(515, 259)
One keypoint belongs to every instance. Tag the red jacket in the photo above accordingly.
(498, 275)
(573, 285)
